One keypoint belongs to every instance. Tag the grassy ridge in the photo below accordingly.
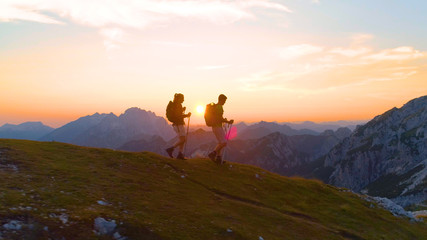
(154, 197)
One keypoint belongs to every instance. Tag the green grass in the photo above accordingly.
(154, 197)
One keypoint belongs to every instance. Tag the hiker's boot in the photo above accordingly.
(180, 156)
(170, 151)
(212, 155)
(218, 160)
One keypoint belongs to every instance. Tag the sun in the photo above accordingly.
(200, 109)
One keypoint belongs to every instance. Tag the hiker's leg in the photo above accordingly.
(220, 137)
(172, 148)
(181, 143)
(219, 148)
(180, 131)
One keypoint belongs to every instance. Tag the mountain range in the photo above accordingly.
(27, 130)
(275, 152)
(325, 125)
(111, 131)
(281, 153)
(262, 129)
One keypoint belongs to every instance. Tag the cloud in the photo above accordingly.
(351, 52)
(133, 13)
(361, 38)
(8, 13)
(261, 81)
(296, 51)
(113, 37)
(316, 69)
(396, 54)
(265, 4)
(136, 14)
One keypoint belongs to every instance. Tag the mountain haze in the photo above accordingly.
(323, 126)
(27, 130)
(263, 129)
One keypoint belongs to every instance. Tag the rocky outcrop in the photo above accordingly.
(385, 157)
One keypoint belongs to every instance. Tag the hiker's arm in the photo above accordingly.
(226, 121)
(185, 115)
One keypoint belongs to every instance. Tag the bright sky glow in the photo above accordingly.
(200, 110)
(276, 60)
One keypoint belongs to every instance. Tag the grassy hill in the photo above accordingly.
(55, 190)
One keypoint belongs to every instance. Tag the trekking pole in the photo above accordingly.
(186, 137)
(229, 130)
(226, 141)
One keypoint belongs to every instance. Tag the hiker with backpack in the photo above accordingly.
(175, 114)
(214, 118)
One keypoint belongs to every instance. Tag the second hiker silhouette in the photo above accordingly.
(175, 114)
(214, 118)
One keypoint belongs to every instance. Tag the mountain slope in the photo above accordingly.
(154, 144)
(276, 152)
(263, 129)
(27, 130)
(55, 190)
(281, 153)
(387, 156)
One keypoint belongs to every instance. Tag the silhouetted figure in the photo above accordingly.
(175, 114)
(218, 130)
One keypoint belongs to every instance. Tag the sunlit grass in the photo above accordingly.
(163, 198)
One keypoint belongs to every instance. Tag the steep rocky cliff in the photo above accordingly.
(387, 156)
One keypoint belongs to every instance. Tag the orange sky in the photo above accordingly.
(62, 61)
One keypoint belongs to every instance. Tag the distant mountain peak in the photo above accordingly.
(134, 109)
(200, 131)
(27, 130)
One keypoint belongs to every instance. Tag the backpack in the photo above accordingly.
(171, 113)
(210, 114)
